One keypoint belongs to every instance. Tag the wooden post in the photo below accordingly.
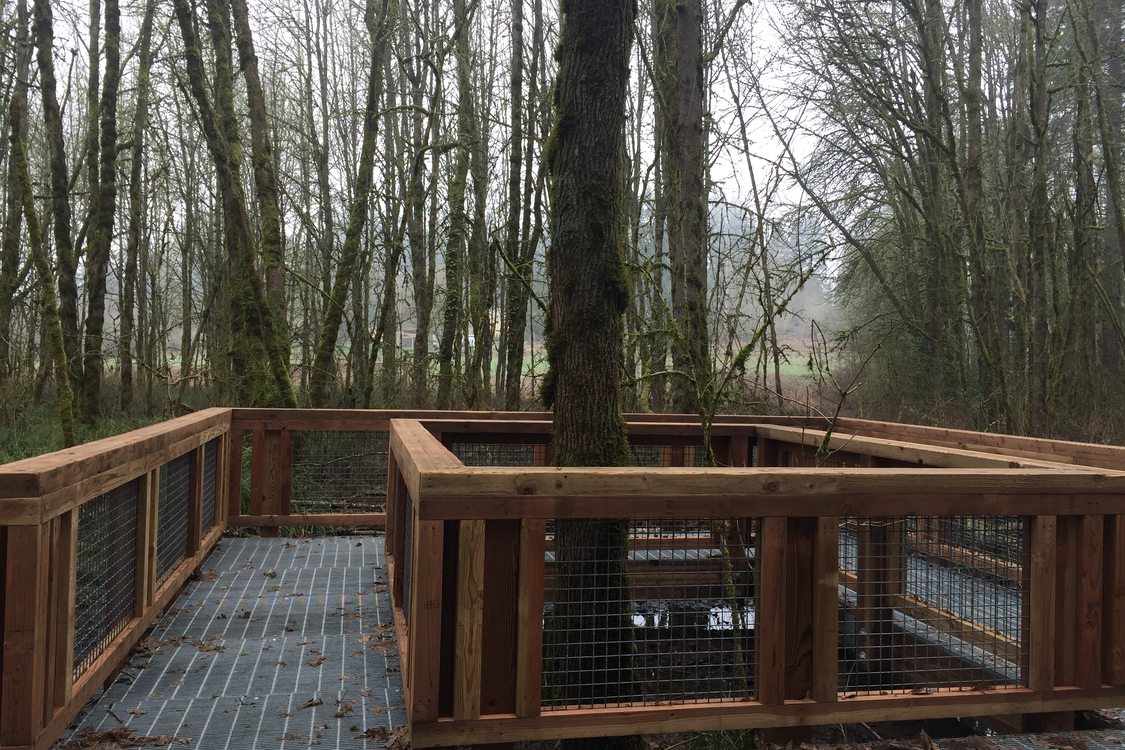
(470, 617)
(222, 484)
(23, 684)
(425, 620)
(271, 474)
(529, 632)
(771, 565)
(195, 502)
(235, 441)
(1088, 644)
(1066, 600)
(60, 648)
(826, 611)
(1040, 635)
(501, 617)
(1113, 630)
(148, 504)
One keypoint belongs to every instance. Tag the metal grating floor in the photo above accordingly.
(282, 643)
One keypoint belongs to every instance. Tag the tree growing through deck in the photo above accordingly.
(589, 296)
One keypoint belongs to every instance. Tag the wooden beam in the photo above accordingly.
(352, 520)
(235, 446)
(64, 553)
(666, 719)
(1089, 592)
(22, 685)
(825, 654)
(425, 620)
(1113, 631)
(529, 630)
(195, 501)
(771, 619)
(470, 612)
(1041, 615)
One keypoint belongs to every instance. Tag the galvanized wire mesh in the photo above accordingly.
(497, 454)
(105, 574)
(670, 619)
(339, 471)
(668, 455)
(172, 516)
(919, 614)
(210, 482)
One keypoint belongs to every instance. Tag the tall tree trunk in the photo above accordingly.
(589, 635)
(60, 186)
(1039, 212)
(520, 276)
(106, 208)
(13, 210)
(457, 237)
(234, 203)
(265, 183)
(136, 199)
(679, 103)
(49, 304)
(324, 365)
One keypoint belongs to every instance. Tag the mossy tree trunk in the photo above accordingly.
(43, 32)
(136, 206)
(105, 209)
(679, 84)
(234, 209)
(584, 345)
(324, 365)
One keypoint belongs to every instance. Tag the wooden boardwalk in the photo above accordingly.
(281, 643)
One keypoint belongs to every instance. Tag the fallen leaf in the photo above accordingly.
(312, 702)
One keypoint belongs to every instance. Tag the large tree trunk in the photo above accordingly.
(60, 188)
(265, 183)
(106, 208)
(52, 326)
(324, 366)
(457, 238)
(516, 295)
(678, 61)
(1039, 213)
(584, 345)
(136, 198)
(234, 204)
(13, 210)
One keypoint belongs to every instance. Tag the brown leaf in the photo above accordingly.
(343, 709)
(312, 702)
(317, 660)
(138, 711)
(270, 574)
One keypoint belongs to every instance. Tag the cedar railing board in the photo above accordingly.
(477, 673)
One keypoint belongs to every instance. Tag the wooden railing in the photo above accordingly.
(94, 548)
(844, 561)
(98, 539)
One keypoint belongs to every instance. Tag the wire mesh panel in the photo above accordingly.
(339, 471)
(668, 455)
(105, 575)
(669, 618)
(498, 454)
(210, 482)
(918, 615)
(172, 516)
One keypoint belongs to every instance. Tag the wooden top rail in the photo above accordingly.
(34, 490)
(446, 490)
(919, 453)
(1058, 451)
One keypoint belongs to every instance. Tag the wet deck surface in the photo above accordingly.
(282, 643)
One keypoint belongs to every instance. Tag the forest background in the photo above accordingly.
(900, 209)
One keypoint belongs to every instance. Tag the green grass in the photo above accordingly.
(34, 430)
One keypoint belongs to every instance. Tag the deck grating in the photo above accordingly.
(276, 638)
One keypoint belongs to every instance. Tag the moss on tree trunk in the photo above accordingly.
(584, 345)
